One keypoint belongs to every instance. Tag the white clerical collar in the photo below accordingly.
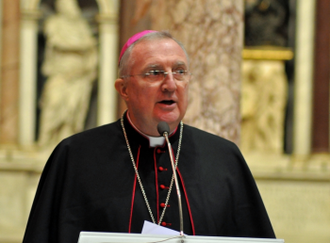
(153, 141)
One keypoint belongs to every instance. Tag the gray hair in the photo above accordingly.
(124, 68)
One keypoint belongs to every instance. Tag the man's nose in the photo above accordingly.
(169, 83)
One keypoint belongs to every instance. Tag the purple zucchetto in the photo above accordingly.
(131, 40)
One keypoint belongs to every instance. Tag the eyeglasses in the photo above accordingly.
(160, 75)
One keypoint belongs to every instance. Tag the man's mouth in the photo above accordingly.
(167, 102)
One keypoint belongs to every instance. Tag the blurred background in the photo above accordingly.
(260, 79)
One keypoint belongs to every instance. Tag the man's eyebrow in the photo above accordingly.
(180, 64)
(159, 66)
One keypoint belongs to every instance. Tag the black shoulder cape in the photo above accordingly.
(89, 184)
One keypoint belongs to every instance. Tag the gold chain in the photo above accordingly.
(138, 176)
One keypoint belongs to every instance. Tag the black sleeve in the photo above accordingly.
(43, 222)
(251, 215)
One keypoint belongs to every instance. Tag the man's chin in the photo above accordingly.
(172, 122)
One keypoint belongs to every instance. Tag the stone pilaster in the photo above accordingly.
(212, 32)
(9, 72)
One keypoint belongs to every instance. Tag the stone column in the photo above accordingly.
(9, 95)
(303, 78)
(28, 79)
(212, 32)
(108, 35)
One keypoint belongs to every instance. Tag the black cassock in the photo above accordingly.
(89, 184)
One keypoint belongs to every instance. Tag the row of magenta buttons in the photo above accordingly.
(160, 168)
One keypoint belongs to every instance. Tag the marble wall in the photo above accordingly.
(212, 32)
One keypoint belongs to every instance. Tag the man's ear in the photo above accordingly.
(121, 88)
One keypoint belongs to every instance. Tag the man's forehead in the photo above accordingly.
(158, 47)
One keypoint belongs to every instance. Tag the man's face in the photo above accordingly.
(151, 102)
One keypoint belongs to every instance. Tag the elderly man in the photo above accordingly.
(114, 177)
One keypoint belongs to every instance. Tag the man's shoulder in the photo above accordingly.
(212, 149)
(82, 148)
(100, 134)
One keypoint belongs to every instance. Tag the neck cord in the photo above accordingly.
(138, 176)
